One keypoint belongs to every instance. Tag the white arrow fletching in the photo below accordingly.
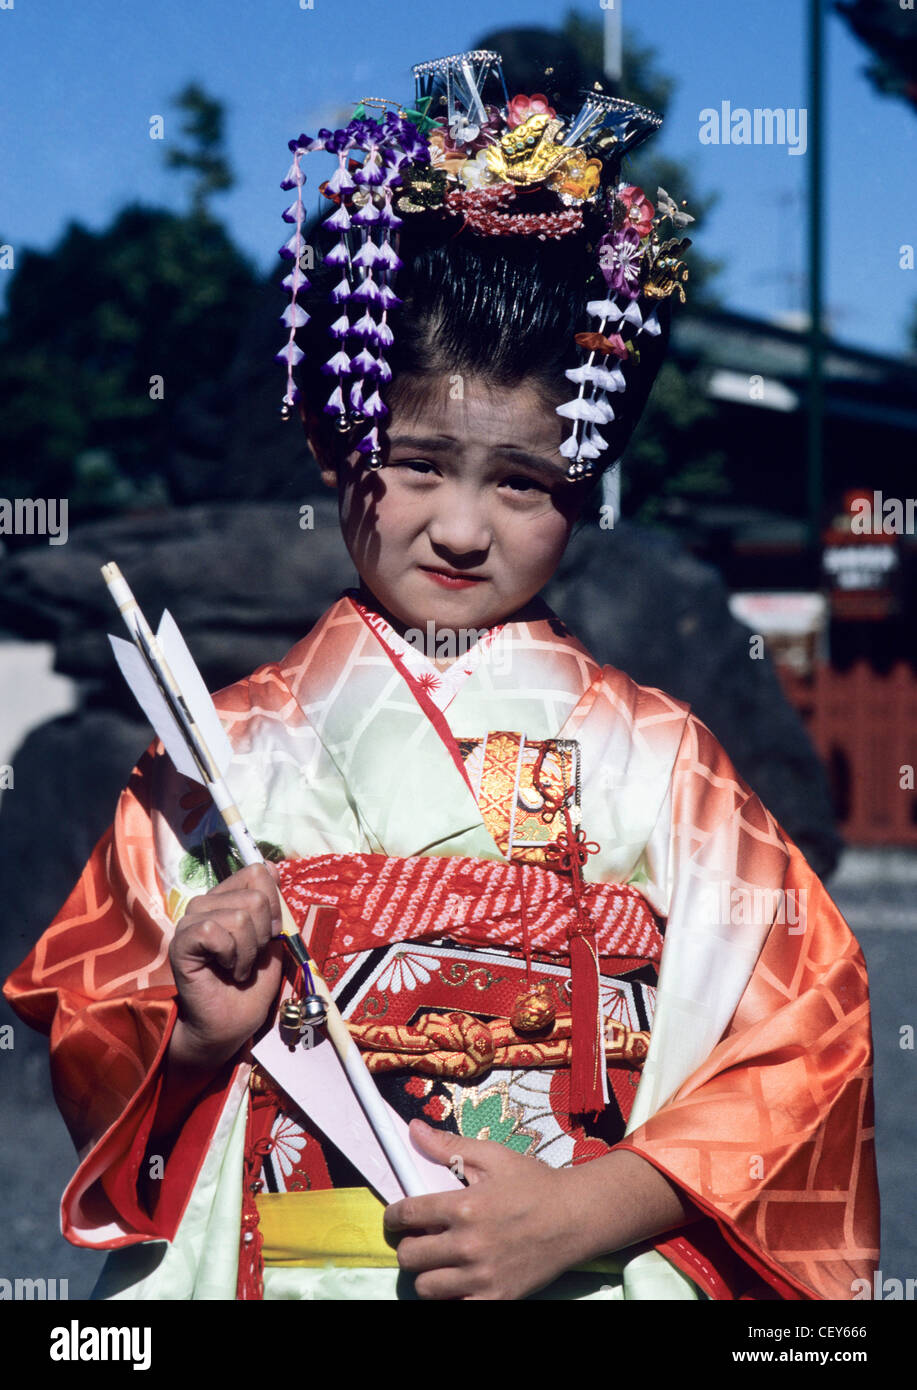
(152, 702)
(191, 684)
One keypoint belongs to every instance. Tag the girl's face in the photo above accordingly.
(470, 515)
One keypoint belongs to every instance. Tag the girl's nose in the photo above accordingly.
(460, 526)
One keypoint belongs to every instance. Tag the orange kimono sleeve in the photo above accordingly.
(99, 983)
(772, 1137)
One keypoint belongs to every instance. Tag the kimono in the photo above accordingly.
(405, 807)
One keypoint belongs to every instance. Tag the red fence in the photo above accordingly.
(864, 725)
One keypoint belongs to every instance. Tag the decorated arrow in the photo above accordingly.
(171, 691)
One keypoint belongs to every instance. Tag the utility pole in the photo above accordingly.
(815, 440)
(613, 67)
(611, 49)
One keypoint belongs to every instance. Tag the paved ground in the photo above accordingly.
(876, 890)
(30, 692)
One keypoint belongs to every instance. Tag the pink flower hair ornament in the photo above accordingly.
(487, 149)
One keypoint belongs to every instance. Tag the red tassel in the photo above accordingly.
(587, 1062)
(568, 854)
(250, 1282)
(588, 1050)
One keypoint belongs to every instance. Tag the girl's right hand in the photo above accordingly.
(227, 966)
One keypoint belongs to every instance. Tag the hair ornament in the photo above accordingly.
(468, 151)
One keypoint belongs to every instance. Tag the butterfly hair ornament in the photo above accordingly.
(477, 161)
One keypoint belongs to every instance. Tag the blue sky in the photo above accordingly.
(80, 80)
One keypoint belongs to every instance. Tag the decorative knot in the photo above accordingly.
(570, 849)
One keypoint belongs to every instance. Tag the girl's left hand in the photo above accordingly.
(509, 1233)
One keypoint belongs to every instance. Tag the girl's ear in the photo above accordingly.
(323, 456)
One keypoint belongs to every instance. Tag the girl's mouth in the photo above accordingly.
(452, 579)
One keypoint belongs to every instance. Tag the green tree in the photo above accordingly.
(108, 339)
(103, 339)
(887, 29)
(204, 156)
(889, 32)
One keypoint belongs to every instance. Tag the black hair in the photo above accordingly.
(504, 308)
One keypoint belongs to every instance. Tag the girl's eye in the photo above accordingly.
(520, 482)
(420, 466)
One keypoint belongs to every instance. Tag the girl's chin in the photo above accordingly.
(423, 600)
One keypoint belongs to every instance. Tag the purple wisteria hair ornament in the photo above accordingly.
(475, 165)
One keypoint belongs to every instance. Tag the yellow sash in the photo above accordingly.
(341, 1226)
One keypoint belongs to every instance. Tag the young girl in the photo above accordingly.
(577, 952)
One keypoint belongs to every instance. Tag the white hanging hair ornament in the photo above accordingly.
(471, 166)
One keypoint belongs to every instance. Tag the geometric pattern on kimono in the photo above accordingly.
(756, 1093)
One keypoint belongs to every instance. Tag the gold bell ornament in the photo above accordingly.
(534, 1010)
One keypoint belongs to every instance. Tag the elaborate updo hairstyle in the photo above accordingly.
(506, 232)
(502, 308)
